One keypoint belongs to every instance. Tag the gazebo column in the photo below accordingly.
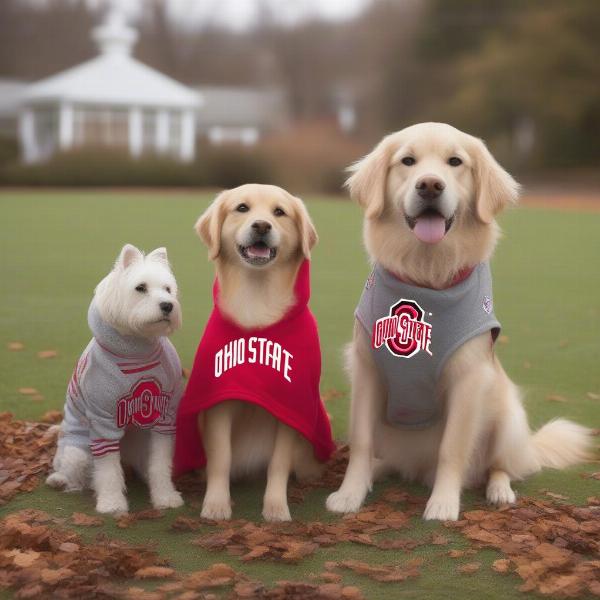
(162, 131)
(65, 126)
(27, 135)
(188, 136)
(135, 132)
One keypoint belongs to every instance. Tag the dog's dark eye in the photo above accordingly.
(279, 212)
(242, 207)
(168, 289)
(141, 288)
(454, 161)
(409, 161)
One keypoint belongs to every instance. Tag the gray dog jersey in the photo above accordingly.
(120, 382)
(414, 331)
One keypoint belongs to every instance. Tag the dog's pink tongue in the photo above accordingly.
(430, 229)
(259, 251)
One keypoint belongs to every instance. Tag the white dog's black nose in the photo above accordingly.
(429, 188)
(261, 227)
(166, 307)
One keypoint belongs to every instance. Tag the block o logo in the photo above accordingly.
(404, 331)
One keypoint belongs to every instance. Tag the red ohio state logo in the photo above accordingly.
(144, 406)
(405, 331)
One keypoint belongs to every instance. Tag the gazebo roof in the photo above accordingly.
(114, 77)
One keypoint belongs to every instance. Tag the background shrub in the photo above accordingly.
(310, 157)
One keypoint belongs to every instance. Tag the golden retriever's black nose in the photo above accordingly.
(429, 188)
(166, 307)
(261, 227)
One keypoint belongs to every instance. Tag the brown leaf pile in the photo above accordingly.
(291, 542)
(149, 514)
(202, 584)
(40, 559)
(554, 548)
(26, 452)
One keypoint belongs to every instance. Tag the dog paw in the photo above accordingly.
(57, 481)
(499, 493)
(442, 509)
(275, 511)
(168, 499)
(344, 502)
(216, 510)
(114, 504)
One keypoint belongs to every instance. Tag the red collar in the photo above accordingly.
(458, 278)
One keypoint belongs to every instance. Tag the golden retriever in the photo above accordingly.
(258, 236)
(430, 194)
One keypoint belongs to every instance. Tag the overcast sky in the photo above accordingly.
(239, 14)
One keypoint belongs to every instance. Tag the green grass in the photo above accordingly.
(55, 246)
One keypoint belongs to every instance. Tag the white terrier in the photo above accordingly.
(122, 398)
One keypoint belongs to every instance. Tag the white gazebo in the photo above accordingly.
(110, 101)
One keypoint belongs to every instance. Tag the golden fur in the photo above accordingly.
(239, 438)
(484, 436)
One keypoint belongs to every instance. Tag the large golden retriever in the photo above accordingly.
(258, 236)
(430, 194)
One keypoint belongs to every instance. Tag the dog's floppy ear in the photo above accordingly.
(208, 226)
(308, 233)
(494, 187)
(129, 254)
(369, 176)
(160, 255)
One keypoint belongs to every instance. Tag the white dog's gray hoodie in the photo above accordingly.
(120, 382)
(415, 330)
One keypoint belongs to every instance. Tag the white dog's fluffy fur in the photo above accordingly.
(484, 436)
(150, 454)
(239, 438)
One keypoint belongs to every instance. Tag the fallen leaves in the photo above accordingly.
(83, 520)
(383, 573)
(281, 542)
(52, 416)
(294, 590)
(556, 398)
(31, 393)
(44, 354)
(128, 519)
(40, 559)
(554, 548)
(501, 565)
(555, 495)
(26, 452)
(154, 573)
(469, 568)
(15, 346)
(593, 396)
(27, 391)
(23, 559)
(68, 547)
(53, 576)
(439, 540)
(217, 575)
(292, 542)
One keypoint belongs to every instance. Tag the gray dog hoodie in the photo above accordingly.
(414, 330)
(120, 382)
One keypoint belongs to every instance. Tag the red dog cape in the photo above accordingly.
(277, 367)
